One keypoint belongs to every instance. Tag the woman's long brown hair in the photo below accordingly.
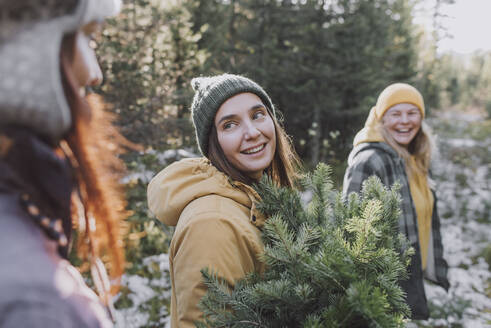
(283, 170)
(95, 145)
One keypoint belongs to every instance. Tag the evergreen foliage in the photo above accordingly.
(331, 263)
(325, 59)
(149, 54)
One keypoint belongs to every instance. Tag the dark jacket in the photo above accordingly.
(37, 287)
(378, 158)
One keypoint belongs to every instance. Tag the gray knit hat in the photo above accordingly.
(211, 92)
(31, 31)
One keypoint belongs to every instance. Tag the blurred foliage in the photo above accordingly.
(325, 59)
(464, 82)
(123, 301)
(147, 236)
(323, 62)
(149, 54)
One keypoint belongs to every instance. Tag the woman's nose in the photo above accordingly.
(251, 131)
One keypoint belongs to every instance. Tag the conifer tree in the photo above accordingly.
(149, 55)
(327, 58)
(332, 263)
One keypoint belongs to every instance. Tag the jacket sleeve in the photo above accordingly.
(366, 164)
(209, 240)
(53, 311)
(36, 316)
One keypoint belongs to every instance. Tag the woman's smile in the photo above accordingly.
(402, 122)
(254, 150)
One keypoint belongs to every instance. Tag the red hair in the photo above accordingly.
(95, 144)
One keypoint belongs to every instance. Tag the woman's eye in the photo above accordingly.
(227, 125)
(258, 114)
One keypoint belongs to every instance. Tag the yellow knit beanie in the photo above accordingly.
(398, 93)
(394, 94)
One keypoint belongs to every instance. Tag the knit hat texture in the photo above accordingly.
(399, 93)
(211, 92)
(31, 33)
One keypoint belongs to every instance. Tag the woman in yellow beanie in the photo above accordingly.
(396, 145)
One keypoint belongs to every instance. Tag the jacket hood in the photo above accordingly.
(171, 190)
(370, 132)
(382, 146)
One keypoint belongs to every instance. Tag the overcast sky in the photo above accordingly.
(468, 21)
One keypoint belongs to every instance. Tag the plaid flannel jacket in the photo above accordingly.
(378, 158)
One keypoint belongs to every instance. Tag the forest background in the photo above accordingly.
(323, 62)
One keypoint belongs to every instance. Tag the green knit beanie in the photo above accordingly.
(211, 92)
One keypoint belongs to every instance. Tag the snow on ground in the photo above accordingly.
(144, 289)
(464, 195)
(141, 292)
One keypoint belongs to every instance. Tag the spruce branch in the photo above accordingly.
(332, 263)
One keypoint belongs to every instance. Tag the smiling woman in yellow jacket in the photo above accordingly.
(210, 200)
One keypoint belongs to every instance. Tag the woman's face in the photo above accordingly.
(246, 133)
(402, 122)
(85, 65)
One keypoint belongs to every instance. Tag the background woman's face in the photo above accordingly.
(85, 65)
(246, 133)
(402, 122)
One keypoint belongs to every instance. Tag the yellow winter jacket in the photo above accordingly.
(217, 226)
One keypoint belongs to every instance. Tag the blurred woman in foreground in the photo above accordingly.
(57, 167)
